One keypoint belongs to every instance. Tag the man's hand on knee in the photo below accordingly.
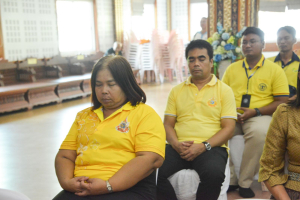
(180, 147)
(193, 151)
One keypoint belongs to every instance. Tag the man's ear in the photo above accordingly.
(294, 40)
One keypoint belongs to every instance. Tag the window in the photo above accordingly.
(76, 31)
(143, 25)
(287, 18)
(197, 12)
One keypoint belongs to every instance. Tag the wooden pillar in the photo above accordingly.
(96, 26)
(212, 16)
(1, 41)
(155, 14)
(118, 4)
(169, 14)
(189, 19)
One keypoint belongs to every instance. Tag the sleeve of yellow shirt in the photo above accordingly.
(228, 103)
(171, 105)
(150, 134)
(280, 83)
(70, 140)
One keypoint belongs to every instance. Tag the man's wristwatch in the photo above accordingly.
(258, 113)
(207, 146)
(109, 188)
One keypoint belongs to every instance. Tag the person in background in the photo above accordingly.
(203, 33)
(113, 148)
(199, 120)
(115, 50)
(286, 58)
(283, 140)
(259, 86)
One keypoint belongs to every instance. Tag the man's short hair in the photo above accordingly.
(200, 44)
(288, 29)
(256, 31)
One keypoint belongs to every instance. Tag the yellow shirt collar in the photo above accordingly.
(212, 82)
(259, 64)
(127, 106)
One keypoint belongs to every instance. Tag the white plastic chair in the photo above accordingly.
(12, 195)
(176, 50)
(147, 62)
(157, 54)
(186, 181)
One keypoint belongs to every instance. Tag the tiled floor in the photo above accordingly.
(29, 141)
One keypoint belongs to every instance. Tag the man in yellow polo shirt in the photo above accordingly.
(287, 59)
(199, 120)
(259, 86)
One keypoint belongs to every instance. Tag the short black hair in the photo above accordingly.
(256, 31)
(122, 73)
(200, 44)
(288, 29)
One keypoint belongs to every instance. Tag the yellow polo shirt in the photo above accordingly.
(103, 146)
(268, 81)
(199, 113)
(290, 69)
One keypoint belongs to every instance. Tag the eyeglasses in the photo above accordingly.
(251, 42)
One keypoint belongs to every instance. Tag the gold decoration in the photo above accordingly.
(242, 14)
(248, 13)
(227, 14)
(212, 27)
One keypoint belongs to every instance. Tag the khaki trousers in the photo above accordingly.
(254, 131)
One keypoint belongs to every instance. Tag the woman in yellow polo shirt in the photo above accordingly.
(113, 148)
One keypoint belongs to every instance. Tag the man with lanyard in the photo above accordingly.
(287, 59)
(259, 86)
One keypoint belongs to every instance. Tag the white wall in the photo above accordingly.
(105, 22)
(29, 28)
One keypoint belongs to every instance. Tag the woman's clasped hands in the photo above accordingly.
(84, 186)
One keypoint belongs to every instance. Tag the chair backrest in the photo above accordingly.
(166, 63)
(133, 55)
(146, 57)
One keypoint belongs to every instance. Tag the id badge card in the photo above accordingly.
(246, 100)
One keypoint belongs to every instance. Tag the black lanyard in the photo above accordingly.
(248, 77)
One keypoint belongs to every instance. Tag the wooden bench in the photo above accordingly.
(28, 95)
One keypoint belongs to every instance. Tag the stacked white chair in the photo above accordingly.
(176, 56)
(132, 53)
(157, 54)
(164, 64)
(147, 62)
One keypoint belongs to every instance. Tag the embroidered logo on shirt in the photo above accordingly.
(123, 127)
(212, 102)
(94, 144)
(262, 87)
